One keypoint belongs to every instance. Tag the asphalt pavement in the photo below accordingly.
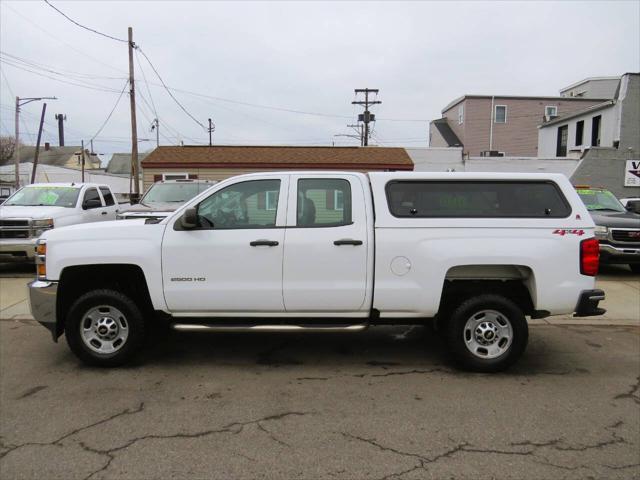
(383, 404)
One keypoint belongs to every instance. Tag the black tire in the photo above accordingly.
(635, 267)
(472, 308)
(131, 316)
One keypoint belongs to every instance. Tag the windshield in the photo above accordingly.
(600, 200)
(45, 196)
(173, 192)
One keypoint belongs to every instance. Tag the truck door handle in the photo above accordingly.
(347, 241)
(104, 213)
(263, 243)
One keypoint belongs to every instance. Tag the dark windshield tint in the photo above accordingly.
(173, 192)
(45, 196)
(476, 199)
(600, 200)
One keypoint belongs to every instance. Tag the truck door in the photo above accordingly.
(92, 205)
(110, 209)
(326, 245)
(232, 262)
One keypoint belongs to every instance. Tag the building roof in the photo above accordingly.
(279, 157)
(588, 79)
(449, 136)
(522, 97)
(593, 108)
(54, 156)
(120, 163)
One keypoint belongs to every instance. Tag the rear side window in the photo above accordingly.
(106, 194)
(476, 199)
(323, 202)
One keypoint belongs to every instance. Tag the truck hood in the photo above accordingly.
(96, 230)
(37, 212)
(153, 207)
(616, 219)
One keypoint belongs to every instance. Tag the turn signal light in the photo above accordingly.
(42, 270)
(589, 257)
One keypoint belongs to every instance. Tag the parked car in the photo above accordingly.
(164, 197)
(39, 207)
(617, 228)
(303, 251)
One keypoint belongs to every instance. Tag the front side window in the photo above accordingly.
(476, 199)
(323, 202)
(45, 196)
(242, 205)
(92, 195)
(500, 115)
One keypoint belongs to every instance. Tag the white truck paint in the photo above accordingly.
(21, 222)
(385, 259)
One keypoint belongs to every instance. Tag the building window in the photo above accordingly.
(563, 134)
(461, 114)
(175, 176)
(271, 202)
(579, 132)
(500, 115)
(550, 111)
(595, 131)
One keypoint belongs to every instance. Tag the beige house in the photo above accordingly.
(68, 157)
(220, 162)
(500, 125)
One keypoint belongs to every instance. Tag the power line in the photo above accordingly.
(146, 83)
(169, 91)
(82, 26)
(111, 112)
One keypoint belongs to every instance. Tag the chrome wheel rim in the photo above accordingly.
(488, 334)
(104, 329)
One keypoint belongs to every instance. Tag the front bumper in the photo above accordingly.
(617, 254)
(588, 303)
(42, 299)
(18, 248)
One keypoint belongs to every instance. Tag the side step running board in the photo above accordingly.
(198, 327)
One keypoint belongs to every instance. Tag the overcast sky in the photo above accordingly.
(300, 56)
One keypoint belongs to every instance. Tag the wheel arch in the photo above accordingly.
(77, 280)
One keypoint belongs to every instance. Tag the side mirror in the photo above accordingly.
(189, 219)
(633, 206)
(89, 204)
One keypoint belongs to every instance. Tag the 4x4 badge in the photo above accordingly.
(563, 232)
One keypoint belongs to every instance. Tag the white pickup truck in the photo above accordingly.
(331, 251)
(38, 207)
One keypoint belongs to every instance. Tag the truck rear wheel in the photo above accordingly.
(487, 333)
(104, 328)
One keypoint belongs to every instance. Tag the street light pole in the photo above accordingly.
(20, 102)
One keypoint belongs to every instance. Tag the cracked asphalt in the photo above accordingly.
(383, 404)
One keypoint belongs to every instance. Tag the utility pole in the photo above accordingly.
(37, 152)
(82, 158)
(366, 117)
(156, 126)
(360, 131)
(20, 102)
(60, 118)
(135, 194)
(212, 128)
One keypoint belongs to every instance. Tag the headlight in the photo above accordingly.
(601, 232)
(43, 223)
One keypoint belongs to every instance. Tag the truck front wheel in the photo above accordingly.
(104, 328)
(487, 333)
